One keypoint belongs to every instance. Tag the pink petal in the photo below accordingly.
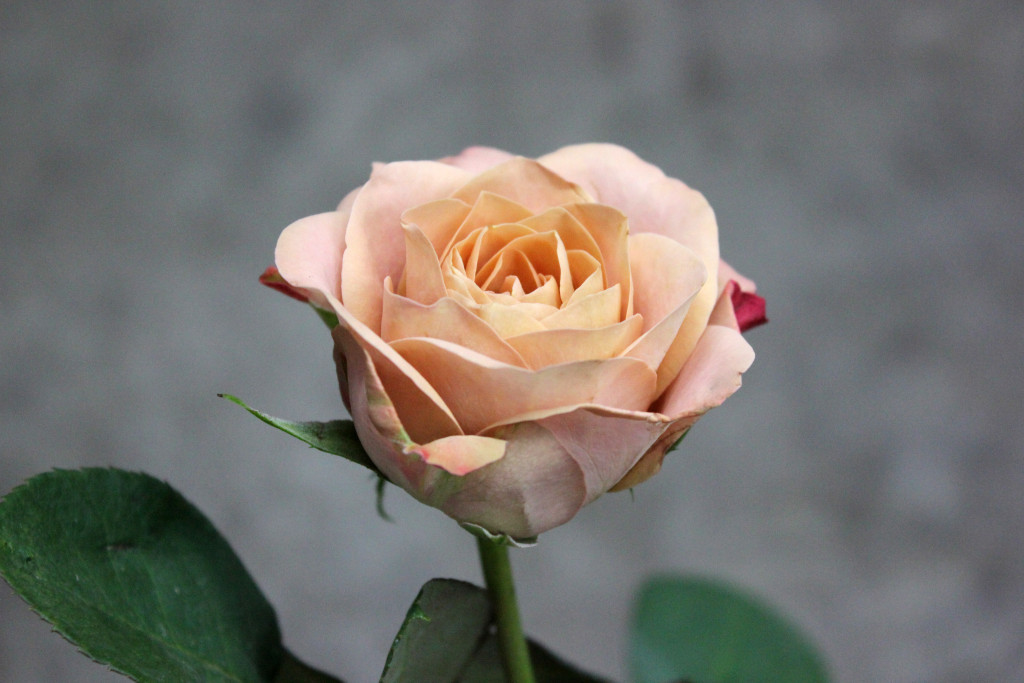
(536, 486)
(481, 391)
(478, 159)
(667, 278)
(710, 375)
(652, 201)
(309, 255)
(271, 277)
(488, 210)
(461, 454)
(749, 308)
(377, 423)
(523, 181)
(727, 272)
(551, 347)
(421, 280)
(446, 319)
(610, 229)
(600, 309)
(375, 245)
(420, 408)
(439, 220)
(604, 443)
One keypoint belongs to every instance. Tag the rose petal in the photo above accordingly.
(483, 244)
(511, 320)
(271, 277)
(439, 220)
(666, 279)
(524, 181)
(590, 312)
(749, 308)
(710, 375)
(605, 443)
(482, 391)
(478, 159)
(446, 319)
(375, 245)
(309, 255)
(377, 423)
(551, 347)
(421, 409)
(727, 273)
(421, 280)
(572, 233)
(536, 486)
(652, 201)
(610, 229)
(462, 454)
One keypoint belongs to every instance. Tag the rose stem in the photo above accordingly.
(498, 577)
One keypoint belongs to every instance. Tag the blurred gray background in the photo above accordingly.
(865, 162)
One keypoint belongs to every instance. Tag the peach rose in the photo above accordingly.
(517, 337)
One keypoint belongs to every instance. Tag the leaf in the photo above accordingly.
(337, 437)
(442, 629)
(447, 638)
(547, 667)
(705, 631)
(134, 575)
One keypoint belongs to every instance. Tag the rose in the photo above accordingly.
(516, 337)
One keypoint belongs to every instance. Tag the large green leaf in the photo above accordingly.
(485, 667)
(443, 628)
(337, 437)
(701, 630)
(447, 638)
(135, 576)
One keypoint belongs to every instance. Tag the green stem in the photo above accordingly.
(498, 576)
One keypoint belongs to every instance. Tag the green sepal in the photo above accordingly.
(138, 579)
(381, 512)
(447, 637)
(329, 318)
(500, 539)
(700, 629)
(337, 437)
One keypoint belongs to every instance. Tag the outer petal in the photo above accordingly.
(417, 468)
(536, 486)
(309, 254)
(727, 273)
(604, 443)
(478, 159)
(482, 391)
(652, 201)
(667, 277)
(374, 243)
(710, 375)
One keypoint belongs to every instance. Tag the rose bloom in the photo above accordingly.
(516, 337)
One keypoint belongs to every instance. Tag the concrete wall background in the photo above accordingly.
(865, 163)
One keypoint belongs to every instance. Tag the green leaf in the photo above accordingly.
(337, 437)
(129, 571)
(485, 666)
(447, 638)
(701, 630)
(443, 628)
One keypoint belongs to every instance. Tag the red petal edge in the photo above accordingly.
(271, 277)
(749, 308)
